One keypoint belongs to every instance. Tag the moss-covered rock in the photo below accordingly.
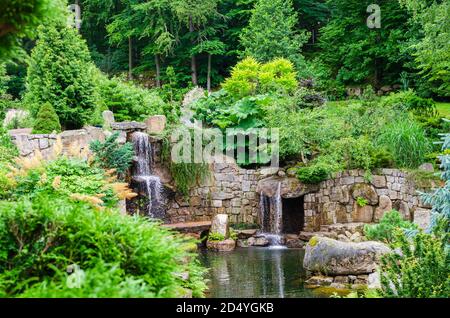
(331, 257)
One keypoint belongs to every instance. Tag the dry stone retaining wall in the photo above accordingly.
(337, 199)
(236, 192)
(28, 143)
(229, 190)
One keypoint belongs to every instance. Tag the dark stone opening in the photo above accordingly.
(293, 215)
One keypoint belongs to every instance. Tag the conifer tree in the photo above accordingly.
(61, 73)
(272, 32)
(47, 120)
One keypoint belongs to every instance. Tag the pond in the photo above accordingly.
(257, 273)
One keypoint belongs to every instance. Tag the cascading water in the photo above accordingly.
(271, 217)
(149, 185)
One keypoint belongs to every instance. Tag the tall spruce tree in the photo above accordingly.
(61, 73)
(272, 32)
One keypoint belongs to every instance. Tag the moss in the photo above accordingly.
(326, 291)
(423, 179)
(313, 241)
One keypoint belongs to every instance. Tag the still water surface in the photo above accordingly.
(257, 273)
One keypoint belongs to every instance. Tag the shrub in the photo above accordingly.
(66, 177)
(219, 110)
(130, 102)
(407, 142)
(308, 98)
(244, 79)
(185, 175)
(61, 73)
(110, 155)
(7, 148)
(46, 121)
(352, 153)
(384, 231)
(216, 237)
(440, 198)
(421, 269)
(381, 158)
(315, 173)
(101, 281)
(409, 101)
(109, 254)
(250, 78)
(277, 76)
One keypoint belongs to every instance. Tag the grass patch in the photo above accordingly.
(443, 109)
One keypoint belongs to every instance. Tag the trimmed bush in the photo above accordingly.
(51, 246)
(47, 121)
(315, 173)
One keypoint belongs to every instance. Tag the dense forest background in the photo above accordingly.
(196, 42)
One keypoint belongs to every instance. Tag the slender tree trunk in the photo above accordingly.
(193, 60)
(208, 80)
(158, 71)
(130, 58)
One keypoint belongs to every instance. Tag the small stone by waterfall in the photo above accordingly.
(149, 185)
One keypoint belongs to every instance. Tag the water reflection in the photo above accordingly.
(256, 272)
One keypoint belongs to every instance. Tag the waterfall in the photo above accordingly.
(150, 185)
(278, 211)
(271, 217)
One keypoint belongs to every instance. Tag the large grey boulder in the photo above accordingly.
(332, 258)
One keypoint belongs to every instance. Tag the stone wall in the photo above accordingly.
(337, 199)
(229, 190)
(236, 192)
(28, 143)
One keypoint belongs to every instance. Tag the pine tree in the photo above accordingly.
(61, 73)
(47, 120)
(272, 32)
